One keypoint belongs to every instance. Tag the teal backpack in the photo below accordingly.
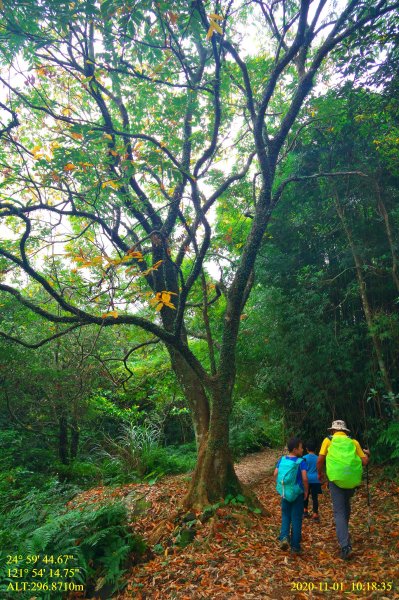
(287, 485)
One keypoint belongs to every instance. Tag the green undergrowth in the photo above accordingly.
(152, 463)
(86, 548)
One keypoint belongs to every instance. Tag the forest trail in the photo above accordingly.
(254, 467)
(235, 555)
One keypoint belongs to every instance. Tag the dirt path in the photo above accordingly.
(253, 468)
(235, 554)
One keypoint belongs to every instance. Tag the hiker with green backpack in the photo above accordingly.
(343, 459)
(292, 485)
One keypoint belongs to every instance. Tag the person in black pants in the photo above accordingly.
(314, 482)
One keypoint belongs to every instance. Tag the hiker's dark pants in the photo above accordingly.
(291, 521)
(314, 491)
(342, 510)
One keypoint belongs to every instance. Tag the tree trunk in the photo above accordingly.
(63, 438)
(195, 394)
(74, 445)
(214, 476)
(384, 214)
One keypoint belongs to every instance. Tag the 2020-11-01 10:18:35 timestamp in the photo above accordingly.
(342, 586)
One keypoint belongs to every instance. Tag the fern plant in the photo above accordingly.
(97, 537)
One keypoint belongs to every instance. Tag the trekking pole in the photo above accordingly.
(368, 497)
(367, 466)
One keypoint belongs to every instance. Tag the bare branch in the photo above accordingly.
(283, 185)
(36, 345)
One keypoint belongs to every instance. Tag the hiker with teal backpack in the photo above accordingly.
(343, 459)
(292, 485)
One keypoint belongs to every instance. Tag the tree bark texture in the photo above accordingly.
(195, 394)
(214, 476)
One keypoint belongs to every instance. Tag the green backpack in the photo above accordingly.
(343, 465)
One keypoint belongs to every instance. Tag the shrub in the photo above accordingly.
(129, 449)
(170, 459)
(155, 461)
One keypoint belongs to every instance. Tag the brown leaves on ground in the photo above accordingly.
(235, 553)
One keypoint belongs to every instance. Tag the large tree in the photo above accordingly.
(115, 115)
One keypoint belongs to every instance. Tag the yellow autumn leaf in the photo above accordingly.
(135, 254)
(107, 136)
(114, 153)
(154, 267)
(112, 184)
(42, 71)
(166, 299)
(156, 299)
(70, 167)
(215, 16)
(77, 136)
(118, 261)
(157, 302)
(214, 26)
(67, 111)
(162, 299)
(111, 313)
(84, 165)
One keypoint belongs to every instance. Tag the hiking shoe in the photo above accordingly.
(346, 551)
(296, 551)
(284, 544)
(306, 515)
